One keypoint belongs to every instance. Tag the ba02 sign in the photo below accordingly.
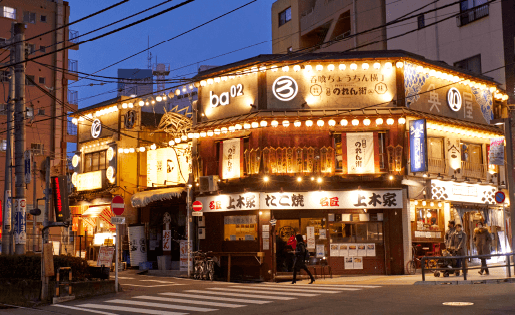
(225, 97)
(418, 145)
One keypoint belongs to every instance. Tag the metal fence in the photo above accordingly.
(464, 269)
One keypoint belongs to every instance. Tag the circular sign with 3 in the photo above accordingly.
(285, 88)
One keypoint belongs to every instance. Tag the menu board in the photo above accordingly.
(334, 250)
(352, 250)
(362, 250)
(349, 263)
(344, 250)
(358, 263)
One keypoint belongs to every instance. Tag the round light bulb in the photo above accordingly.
(275, 123)
(355, 122)
(297, 123)
(402, 120)
(344, 122)
(331, 122)
(202, 134)
(238, 127)
(377, 65)
(296, 68)
(399, 64)
(255, 124)
(246, 125)
(319, 67)
(320, 123)
(153, 147)
(353, 66)
(389, 121)
(379, 121)
(210, 133)
(330, 67)
(366, 122)
(309, 123)
(263, 123)
(342, 67)
(224, 129)
(286, 123)
(365, 66)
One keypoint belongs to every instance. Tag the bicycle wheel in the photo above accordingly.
(411, 267)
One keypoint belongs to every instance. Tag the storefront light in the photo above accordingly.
(203, 83)
(286, 69)
(319, 67)
(237, 127)
(308, 68)
(185, 137)
(493, 89)
(299, 179)
(263, 123)
(120, 150)
(274, 68)
(366, 122)
(330, 67)
(190, 135)
(131, 150)
(110, 174)
(275, 123)
(297, 123)
(262, 69)
(196, 135)
(75, 121)
(177, 140)
(353, 66)
(319, 180)
(124, 105)
(377, 65)
(379, 121)
(100, 238)
(416, 202)
(217, 131)
(388, 65)
(389, 121)
(254, 124)
(159, 98)
(432, 204)
(266, 179)
(74, 178)
(286, 123)
(126, 151)
(331, 122)
(439, 205)
(320, 123)
(309, 123)
(75, 160)
(142, 149)
(202, 134)
(224, 129)
(210, 133)
(424, 203)
(246, 125)
(365, 66)
(355, 122)
(296, 68)
(419, 69)
(153, 146)
(231, 129)
(344, 122)
(342, 67)
(402, 120)
(399, 64)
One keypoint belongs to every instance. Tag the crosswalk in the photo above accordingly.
(213, 298)
(146, 283)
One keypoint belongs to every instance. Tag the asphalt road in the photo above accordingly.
(169, 296)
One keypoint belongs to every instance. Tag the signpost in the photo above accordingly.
(27, 159)
(197, 209)
(500, 197)
(118, 207)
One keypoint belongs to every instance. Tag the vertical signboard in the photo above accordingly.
(496, 153)
(7, 210)
(360, 152)
(20, 223)
(231, 159)
(418, 145)
(60, 192)
(27, 159)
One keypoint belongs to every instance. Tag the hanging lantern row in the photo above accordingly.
(462, 131)
(426, 203)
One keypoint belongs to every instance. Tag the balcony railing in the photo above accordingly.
(73, 97)
(436, 165)
(474, 170)
(472, 14)
(73, 36)
(73, 65)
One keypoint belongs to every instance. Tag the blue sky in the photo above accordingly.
(242, 28)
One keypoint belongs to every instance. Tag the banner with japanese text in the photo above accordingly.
(418, 145)
(360, 152)
(496, 153)
(231, 159)
(317, 200)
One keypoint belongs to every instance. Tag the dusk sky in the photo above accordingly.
(248, 26)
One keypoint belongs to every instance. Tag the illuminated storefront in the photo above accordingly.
(321, 145)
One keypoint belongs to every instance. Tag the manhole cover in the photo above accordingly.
(458, 303)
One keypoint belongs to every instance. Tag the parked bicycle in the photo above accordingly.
(204, 266)
(411, 266)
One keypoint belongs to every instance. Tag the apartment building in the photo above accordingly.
(46, 91)
(324, 25)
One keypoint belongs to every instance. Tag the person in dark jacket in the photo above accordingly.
(300, 255)
(451, 229)
(483, 242)
(458, 244)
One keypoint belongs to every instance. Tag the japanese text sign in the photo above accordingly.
(418, 145)
(360, 152)
(496, 153)
(231, 159)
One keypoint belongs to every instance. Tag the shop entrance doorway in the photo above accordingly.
(285, 229)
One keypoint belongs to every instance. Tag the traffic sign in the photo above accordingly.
(500, 197)
(197, 214)
(273, 222)
(118, 220)
(197, 206)
(117, 205)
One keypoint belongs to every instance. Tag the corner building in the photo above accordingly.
(319, 144)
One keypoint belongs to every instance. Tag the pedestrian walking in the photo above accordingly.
(301, 254)
(458, 244)
(483, 241)
(451, 229)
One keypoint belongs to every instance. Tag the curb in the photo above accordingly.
(489, 281)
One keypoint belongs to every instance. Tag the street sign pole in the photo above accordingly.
(118, 207)
(116, 260)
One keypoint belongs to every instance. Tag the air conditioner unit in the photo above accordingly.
(208, 183)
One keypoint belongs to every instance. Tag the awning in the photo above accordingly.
(143, 198)
(104, 212)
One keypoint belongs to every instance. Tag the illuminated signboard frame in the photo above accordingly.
(90, 180)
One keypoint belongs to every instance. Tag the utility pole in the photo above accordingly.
(34, 204)
(44, 233)
(7, 226)
(19, 140)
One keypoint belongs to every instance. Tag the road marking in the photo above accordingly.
(130, 309)
(458, 303)
(305, 288)
(123, 278)
(217, 298)
(83, 309)
(150, 286)
(325, 285)
(286, 289)
(243, 295)
(161, 305)
(168, 299)
(264, 292)
(159, 281)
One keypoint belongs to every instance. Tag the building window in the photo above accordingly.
(29, 80)
(31, 48)
(4, 76)
(41, 112)
(471, 153)
(95, 161)
(472, 64)
(472, 10)
(435, 155)
(3, 109)
(346, 232)
(43, 18)
(37, 148)
(9, 12)
(381, 137)
(285, 16)
(29, 17)
(42, 48)
(240, 228)
(3, 42)
(420, 21)
(338, 152)
(42, 80)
